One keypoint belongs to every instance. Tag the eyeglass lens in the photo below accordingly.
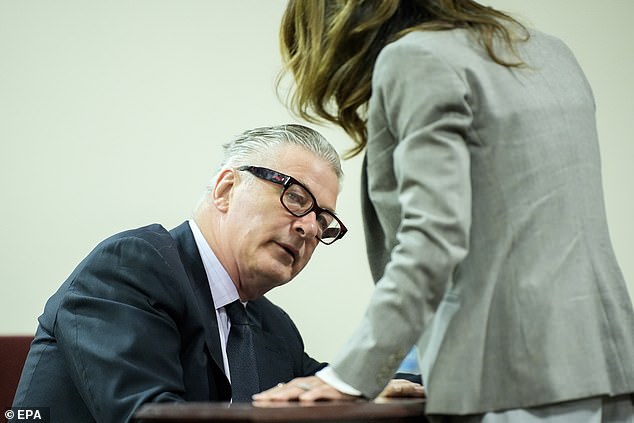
(299, 202)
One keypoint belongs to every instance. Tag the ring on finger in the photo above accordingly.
(304, 386)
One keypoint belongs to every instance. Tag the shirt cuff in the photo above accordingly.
(328, 375)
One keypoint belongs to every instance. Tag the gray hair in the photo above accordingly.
(260, 143)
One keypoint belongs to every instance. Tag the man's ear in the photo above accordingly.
(221, 194)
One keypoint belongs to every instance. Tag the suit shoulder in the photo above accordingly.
(268, 307)
(273, 317)
(434, 43)
(154, 234)
(148, 245)
(149, 232)
(423, 55)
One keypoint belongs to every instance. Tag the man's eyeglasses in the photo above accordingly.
(299, 201)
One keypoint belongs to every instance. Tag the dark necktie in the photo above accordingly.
(241, 354)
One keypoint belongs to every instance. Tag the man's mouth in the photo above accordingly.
(292, 251)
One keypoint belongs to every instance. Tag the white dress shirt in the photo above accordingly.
(222, 288)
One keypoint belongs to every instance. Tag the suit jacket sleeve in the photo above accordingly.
(117, 327)
(419, 183)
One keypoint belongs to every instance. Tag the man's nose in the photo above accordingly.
(307, 225)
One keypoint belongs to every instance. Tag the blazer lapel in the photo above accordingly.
(198, 278)
(273, 359)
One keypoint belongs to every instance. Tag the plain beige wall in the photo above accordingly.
(112, 115)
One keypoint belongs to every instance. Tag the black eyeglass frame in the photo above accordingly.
(286, 181)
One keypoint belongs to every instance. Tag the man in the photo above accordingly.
(143, 318)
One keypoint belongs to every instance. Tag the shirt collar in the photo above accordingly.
(222, 287)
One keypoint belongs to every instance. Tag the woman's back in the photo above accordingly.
(539, 282)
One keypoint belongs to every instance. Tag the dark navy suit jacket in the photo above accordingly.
(135, 323)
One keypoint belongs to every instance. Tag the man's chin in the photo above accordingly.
(281, 270)
(270, 280)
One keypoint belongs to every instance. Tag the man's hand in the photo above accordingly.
(303, 389)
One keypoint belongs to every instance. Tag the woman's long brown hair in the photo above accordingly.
(330, 46)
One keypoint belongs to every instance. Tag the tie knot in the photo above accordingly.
(237, 313)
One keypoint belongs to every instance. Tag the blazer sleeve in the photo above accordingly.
(419, 115)
(117, 328)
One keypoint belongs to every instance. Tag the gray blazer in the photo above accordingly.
(485, 228)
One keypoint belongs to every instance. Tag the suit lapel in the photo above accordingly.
(273, 358)
(193, 264)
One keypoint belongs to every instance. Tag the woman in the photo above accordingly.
(483, 210)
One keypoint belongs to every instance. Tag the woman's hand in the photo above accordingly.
(403, 388)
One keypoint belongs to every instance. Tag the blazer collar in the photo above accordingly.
(193, 264)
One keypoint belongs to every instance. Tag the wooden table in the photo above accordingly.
(383, 411)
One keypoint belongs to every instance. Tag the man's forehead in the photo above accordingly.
(311, 170)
